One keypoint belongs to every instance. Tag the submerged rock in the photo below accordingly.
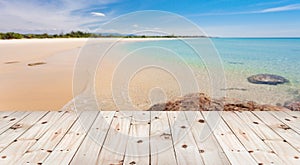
(269, 79)
(202, 102)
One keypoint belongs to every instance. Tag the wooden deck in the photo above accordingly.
(149, 138)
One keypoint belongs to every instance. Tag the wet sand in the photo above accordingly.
(37, 74)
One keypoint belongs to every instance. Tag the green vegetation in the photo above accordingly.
(80, 34)
(143, 36)
(11, 35)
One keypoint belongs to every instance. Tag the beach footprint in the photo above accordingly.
(36, 63)
(11, 62)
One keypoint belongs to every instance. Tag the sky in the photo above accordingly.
(222, 18)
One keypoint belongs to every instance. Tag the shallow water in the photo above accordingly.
(203, 59)
(241, 58)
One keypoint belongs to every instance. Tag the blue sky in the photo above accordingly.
(228, 18)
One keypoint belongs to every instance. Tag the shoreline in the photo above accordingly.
(82, 39)
(37, 74)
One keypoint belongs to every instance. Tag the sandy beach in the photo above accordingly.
(37, 74)
(47, 86)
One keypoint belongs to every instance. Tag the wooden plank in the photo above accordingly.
(161, 143)
(65, 150)
(138, 150)
(287, 153)
(280, 128)
(92, 144)
(294, 114)
(261, 152)
(235, 151)
(5, 114)
(18, 129)
(290, 120)
(261, 137)
(208, 146)
(46, 144)
(185, 146)
(115, 144)
(25, 141)
(9, 120)
(262, 130)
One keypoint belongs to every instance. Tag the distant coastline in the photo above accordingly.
(80, 34)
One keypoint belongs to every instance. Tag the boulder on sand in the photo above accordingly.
(294, 106)
(269, 79)
(202, 102)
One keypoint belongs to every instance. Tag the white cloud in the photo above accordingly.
(267, 10)
(51, 16)
(281, 8)
(262, 30)
(98, 14)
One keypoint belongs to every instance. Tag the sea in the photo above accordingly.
(218, 67)
(239, 58)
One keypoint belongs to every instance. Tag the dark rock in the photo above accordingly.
(158, 107)
(231, 89)
(202, 102)
(294, 106)
(269, 79)
(235, 63)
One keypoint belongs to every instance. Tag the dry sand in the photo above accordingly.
(37, 74)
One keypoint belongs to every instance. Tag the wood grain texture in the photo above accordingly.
(233, 148)
(93, 137)
(161, 141)
(287, 153)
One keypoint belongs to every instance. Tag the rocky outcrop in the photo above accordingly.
(269, 79)
(202, 102)
(191, 102)
(294, 106)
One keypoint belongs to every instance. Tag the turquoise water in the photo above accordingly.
(240, 58)
(126, 79)
(276, 56)
(256, 55)
(280, 56)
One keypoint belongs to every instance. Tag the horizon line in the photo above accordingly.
(107, 35)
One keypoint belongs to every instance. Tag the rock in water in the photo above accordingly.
(269, 79)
